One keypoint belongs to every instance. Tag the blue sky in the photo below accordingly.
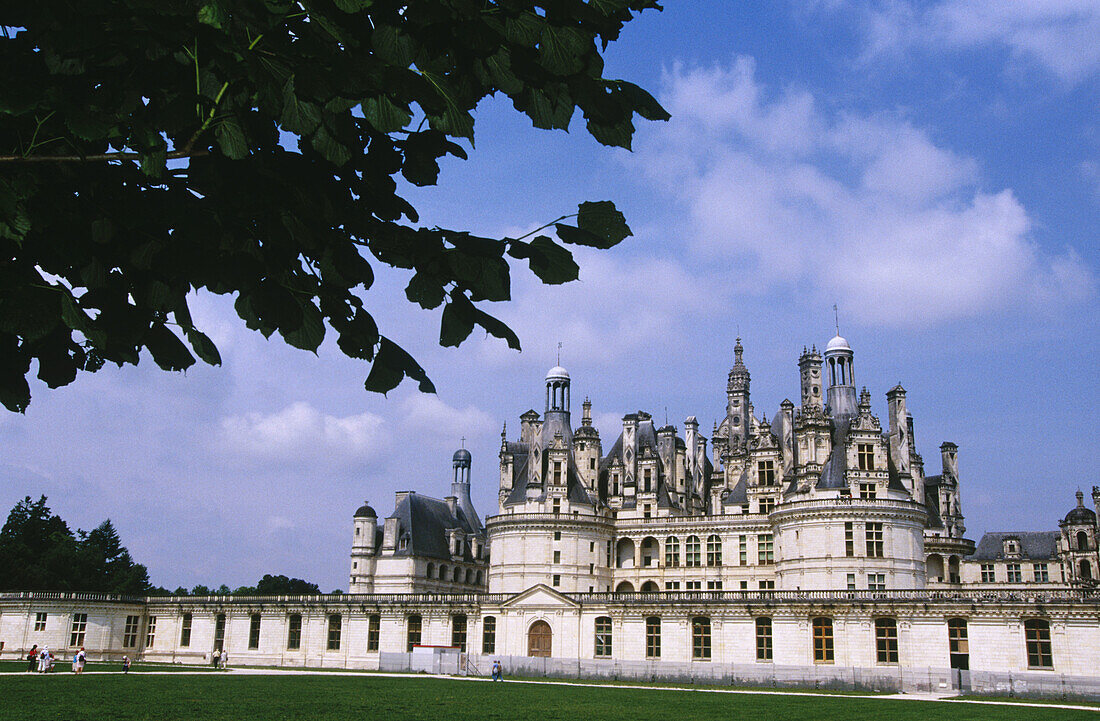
(932, 168)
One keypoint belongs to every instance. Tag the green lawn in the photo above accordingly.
(65, 667)
(222, 697)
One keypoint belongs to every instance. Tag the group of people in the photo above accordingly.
(220, 659)
(42, 660)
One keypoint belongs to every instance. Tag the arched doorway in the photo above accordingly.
(934, 567)
(539, 639)
(650, 587)
(625, 587)
(624, 553)
(651, 551)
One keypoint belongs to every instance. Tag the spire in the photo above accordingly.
(586, 415)
(739, 375)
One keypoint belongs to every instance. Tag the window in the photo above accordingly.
(989, 575)
(866, 456)
(700, 638)
(823, 639)
(335, 624)
(958, 643)
(254, 631)
(557, 473)
(647, 480)
(849, 540)
(672, 551)
(765, 473)
(40, 621)
(851, 581)
(886, 640)
(1012, 547)
(557, 556)
(876, 581)
(557, 506)
(150, 631)
(1082, 541)
(763, 639)
(414, 627)
(868, 491)
(129, 635)
(185, 630)
(743, 550)
(875, 543)
(693, 585)
(714, 585)
(80, 625)
(614, 484)
(767, 504)
(714, 550)
(294, 632)
(1037, 635)
(653, 637)
(672, 585)
(609, 556)
(1015, 575)
(219, 632)
(692, 553)
(557, 535)
(766, 585)
(744, 585)
(557, 580)
(489, 635)
(745, 508)
(374, 623)
(458, 631)
(1041, 573)
(603, 637)
(764, 553)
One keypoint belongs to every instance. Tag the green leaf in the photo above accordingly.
(214, 15)
(204, 347)
(352, 6)
(457, 321)
(497, 328)
(310, 333)
(604, 220)
(167, 349)
(552, 264)
(391, 365)
(298, 116)
(154, 162)
(425, 290)
(644, 104)
(231, 139)
(323, 142)
(561, 49)
(384, 115)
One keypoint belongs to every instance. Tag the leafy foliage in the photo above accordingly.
(254, 149)
(38, 552)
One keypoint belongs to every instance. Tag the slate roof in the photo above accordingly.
(1034, 546)
(424, 521)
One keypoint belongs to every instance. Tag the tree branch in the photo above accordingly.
(174, 155)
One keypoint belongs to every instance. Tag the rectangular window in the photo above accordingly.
(557, 580)
(130, 633)
(886, 640)
(1037, 635)
(335, 625)
(415, 626)
(557, 506)
(40, 621)
(374, 624)
(693, 585)
(557, 473)
(875, 544)
(557, 556)
(988, 573)
(254, 631)
(849, 540)
(766, 585)
(647, 480)
(767, 504)
(823, 639)
(744, 585)
(294, 632)
(603, 637)
(150, 631)
(765, 473)
(185, 630)
(714, 585)
(765, 555)
(958, 643)
(653, 637)
(80, 625)
(700, 638)
(868, 491)
(591, 568)
(693, 555)
(743, 550)
(1015, 574)
(866, 453)
(851, 581)
(458, 631)
(608, 554)
(557, 535)
(672, 585)
(1041, 573)
(876, 581)
(763, 639)
(219, 632)
(714, 550)
(489, 635)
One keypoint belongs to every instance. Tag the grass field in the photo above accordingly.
(229, 697)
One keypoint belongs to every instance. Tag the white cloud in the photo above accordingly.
(864, 209)
(1059, 35)
(427, 415)
(301, 432)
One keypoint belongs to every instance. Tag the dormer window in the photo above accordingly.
(866, 456)
(1012, 547)
(557, 473)
(765, 473)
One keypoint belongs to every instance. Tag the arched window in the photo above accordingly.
(651, 551)
(692, 552)
(625, 587)
(700, 638)
(672, 551)
(458, 631)
(653, 637)
(650, 587)
(480, 578)
(414, 625)
(458, 575)
(489, 635)
(1037, 636)
(823, 639)
(1086, 569)
(624, 553)
(958, 643)
(539, 639)
(603, 637)
(886, 640)
(431, 571)
(763, 639)
(1082, 541)
(714, 550)
(442, 572)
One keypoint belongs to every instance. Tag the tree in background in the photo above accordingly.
(282, 586)
(149, 150)
(38, 552)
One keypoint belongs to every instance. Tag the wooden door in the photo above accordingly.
(539, 638)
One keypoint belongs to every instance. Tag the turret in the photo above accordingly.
(900, 460)
(809, 366)
(587, 449)
(949, 453)
(838, 371)
(737, 399)
(460, 486)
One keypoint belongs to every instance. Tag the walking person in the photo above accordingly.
(32, 658)
(498, 672)
(43, 660)
(125, 664)
(78, 661)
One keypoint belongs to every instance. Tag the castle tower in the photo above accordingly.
(737, 400)
(460, 486)
(809, 366)
(363, 550)
(838, 372)
(587, 450)
(899, 454)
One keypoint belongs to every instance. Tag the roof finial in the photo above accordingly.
(836, 319)
(463, 441)
(559, 353)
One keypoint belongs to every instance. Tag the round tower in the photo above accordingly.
(838, 372)
(460, 486)
(363, 548)
(737, 399)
